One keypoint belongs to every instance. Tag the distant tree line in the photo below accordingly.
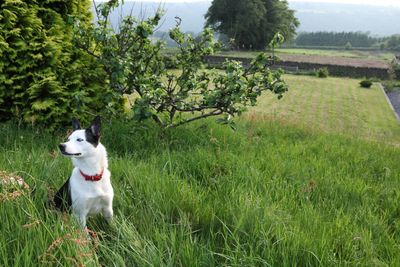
(391, 43)
(348, 40)
(315, 39)
(357, 39)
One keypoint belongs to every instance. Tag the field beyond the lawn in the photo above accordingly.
(310, 180)
(357, 54)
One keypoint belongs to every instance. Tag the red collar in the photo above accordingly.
(93, 178)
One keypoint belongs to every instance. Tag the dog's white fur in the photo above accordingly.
(89, 197)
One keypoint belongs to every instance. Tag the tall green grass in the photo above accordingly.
(202, 195)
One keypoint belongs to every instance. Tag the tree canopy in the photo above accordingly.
(252, 23)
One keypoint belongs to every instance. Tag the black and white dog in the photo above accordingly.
(88, 191)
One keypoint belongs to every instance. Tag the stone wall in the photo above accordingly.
(291, 66)
(397, 73)
(397, 70)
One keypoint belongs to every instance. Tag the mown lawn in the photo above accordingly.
(337, 105)
(277, 192)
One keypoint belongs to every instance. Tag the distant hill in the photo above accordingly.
(378, 20)
(192, 14)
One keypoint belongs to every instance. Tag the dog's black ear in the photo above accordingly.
(95, 126)
(75, 124)
(93, 132)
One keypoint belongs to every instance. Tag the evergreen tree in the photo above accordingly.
(44, 79)
(252, 23)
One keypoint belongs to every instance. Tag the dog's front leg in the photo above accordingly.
(82, 220)
(81, 217)
(108, 213)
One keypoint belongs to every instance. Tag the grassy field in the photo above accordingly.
(339, 53)
(373, 55)
(278, 192)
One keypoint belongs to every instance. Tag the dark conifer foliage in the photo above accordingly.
(44, 79)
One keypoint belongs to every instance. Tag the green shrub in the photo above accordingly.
(170, 61)
(391, 85)
(366, 83)
(348, 46)
(322, 73)
(396, 68)
(44, 79)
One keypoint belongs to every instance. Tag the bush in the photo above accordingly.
(170, 61)
(44, 79)
(322, 73)
(397, 74)
(366, 83)
(391, 85)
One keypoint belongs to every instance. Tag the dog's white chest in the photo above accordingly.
(95, 205)
(90, 197)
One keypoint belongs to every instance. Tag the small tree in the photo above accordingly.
(134, 66)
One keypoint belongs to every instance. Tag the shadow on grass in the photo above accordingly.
(119, 136)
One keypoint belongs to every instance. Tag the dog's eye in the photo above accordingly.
(79, 139)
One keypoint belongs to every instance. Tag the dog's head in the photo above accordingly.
(82, 142)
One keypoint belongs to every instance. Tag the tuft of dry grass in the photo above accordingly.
(11, 186)
(87, 244)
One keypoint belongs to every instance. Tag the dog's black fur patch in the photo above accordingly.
(93, 132)
(62, 198)
(75, 124)
(91, 138)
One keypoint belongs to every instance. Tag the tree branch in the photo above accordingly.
(212, 113)
(96, 10)
(158, 121)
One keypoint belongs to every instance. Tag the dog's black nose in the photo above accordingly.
(62, 147)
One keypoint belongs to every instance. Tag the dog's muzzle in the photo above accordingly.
(64, 152)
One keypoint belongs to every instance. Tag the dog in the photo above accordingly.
(88, 191)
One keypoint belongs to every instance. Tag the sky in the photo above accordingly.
(365, 2)
(368, 2)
